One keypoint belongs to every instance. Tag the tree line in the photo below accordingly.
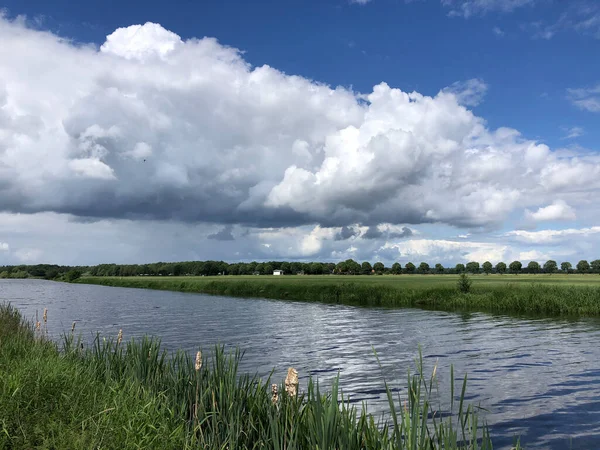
(347, 267)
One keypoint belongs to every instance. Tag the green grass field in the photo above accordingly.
(574, 295)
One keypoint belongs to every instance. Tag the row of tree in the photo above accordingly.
(347, 267)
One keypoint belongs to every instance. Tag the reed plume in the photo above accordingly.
(274, 394)
(119, 336)
(291, 382)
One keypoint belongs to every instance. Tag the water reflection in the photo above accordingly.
(537, 377)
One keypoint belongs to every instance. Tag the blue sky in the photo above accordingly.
(530, 66)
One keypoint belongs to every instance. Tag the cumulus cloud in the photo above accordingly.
(386, 232)
(468, 8)
(533, 255)
(445, 250)
(153, 127)
(4, 247)
(558, 210)
(552, 236)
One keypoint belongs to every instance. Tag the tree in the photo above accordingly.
(285, 266)
(501, 267)
(423, 268)
(533, 267)
(396, 269)
(439, 268)
(515, 266)
(460, 268)
(473, 267)
(550, 266)
(410, 267)
(366, 268)
(316, 268)
(595, 264)
(565, 267)
(72, 275)
(378, 267)
(487, 267)
(583, 266)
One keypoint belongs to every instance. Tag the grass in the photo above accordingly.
(117, 395)
(551, 295)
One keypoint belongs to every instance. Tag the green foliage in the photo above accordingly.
(4, 274)
(472, 267)
(583, 266)
(515, 266)
(366, 268)
(439, 268)
(423, 268)
(378, 267)
(460, 268)
(550, 266)
(533, 267)
(595, 265)
(487, 267)
(72, 275)
(501, 267)
(121, 396)
(410, 267)
(464, 283)
(396, 268)
(566, 267)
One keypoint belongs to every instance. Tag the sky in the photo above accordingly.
(378, 130)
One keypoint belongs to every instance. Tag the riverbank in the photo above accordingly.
(117, 395)
(551, 295)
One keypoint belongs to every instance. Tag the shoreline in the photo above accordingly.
(509, 297)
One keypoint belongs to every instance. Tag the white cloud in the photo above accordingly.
(29, 255)
(4, 247)
(468, 93)
(468, 8)
(183, 134)
(533, 255)
(360, 2)
(498, 31)
(558, 210)
(432, 249)
(552, 236)
(585, 98)
(573, 132)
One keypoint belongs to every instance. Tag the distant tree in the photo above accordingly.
(501, 267)
(295, 268)
(550, 266)
(460, 268)
(285, 266)
(316, 268)
(423, 268)
(464, 283)
(472, 267)
(487, 267)
(566, 267)
(396, 268)
(267, 269)
(366, 268)
(515, 266)
(583, 266)
(177, 270)
(353, 267)
(378, 267)
(533, 267)
(595, 265)
(409, 267)
(72, 275)
(439, 268)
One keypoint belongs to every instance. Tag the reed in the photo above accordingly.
(138, 396)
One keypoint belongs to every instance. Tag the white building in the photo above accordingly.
(278, 272)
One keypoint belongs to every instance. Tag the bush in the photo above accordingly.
(464, 283)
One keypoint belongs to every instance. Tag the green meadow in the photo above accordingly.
(544, 294)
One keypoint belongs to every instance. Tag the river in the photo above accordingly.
(538, 378)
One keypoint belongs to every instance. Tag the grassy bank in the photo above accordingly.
(121, 396)
(522, 294)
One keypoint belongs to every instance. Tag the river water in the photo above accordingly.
(538, 378)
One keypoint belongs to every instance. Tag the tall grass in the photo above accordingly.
(505, 297)
(118, 395)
